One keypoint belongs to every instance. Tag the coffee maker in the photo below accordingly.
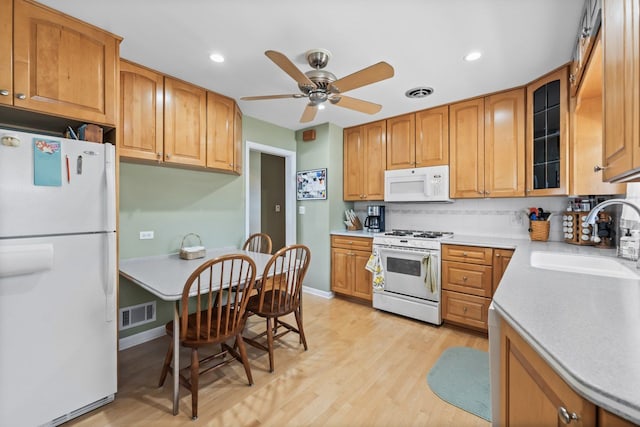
(374, 222)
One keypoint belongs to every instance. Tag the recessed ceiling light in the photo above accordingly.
(216, 57)
(472, 56)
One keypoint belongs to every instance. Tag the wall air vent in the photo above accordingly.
(419, 92)
(136, 315)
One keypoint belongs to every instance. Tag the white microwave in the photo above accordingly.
(428, 184)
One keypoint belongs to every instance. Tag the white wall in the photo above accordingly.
(482, 217)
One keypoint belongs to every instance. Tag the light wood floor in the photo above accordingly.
(363, 368)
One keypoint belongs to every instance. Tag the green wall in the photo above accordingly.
(321, 216)
(173, 202)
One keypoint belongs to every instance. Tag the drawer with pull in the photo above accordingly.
(470, 254)
(467, 310)
(355, 243)
(467, 278)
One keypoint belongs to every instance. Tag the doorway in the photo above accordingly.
(270, 189)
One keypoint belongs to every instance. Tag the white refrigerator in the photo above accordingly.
(58, 328)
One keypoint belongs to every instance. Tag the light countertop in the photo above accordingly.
(356, 233)
(586, 327)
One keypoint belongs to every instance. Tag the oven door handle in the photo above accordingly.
(406, 251)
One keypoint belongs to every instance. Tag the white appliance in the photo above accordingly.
(58, 332)
(427, 184)
(407, 258)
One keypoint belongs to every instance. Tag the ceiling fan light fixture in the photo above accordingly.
(321, 107)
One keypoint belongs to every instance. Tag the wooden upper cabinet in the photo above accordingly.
(375, 160)
(621, 151)
(6, 52)
(220, 129)
(237, 141)
(586, 132)
(63, 66)
(401, 142)
(141, 112)
(185, 123)
(432, 137)
(466, 149)
(353, 164)
(364, 161)
(504, 144)
(547, 148)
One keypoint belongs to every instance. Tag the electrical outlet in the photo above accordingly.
(146, 235)
(302, 210)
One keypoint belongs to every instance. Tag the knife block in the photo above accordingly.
(357, 225)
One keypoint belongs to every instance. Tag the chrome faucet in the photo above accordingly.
(591, 218)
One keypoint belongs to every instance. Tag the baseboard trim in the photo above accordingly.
(317, 292)
(142, 337)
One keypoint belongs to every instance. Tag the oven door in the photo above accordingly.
(406, 270)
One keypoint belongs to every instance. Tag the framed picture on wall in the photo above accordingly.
(312, 184)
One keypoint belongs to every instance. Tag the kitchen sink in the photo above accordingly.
(583, 264)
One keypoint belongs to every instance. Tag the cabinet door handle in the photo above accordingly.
(21, 96)
(464, 309)
(567, 417)
(487, 192)
(4, 92)
(464, 278)
(498, 255)
(168, 156)
(598, 168)
(464, 254)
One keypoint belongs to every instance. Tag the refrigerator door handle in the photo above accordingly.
(110, 299)
(110, 171)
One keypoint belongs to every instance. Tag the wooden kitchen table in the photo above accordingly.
(165, 276)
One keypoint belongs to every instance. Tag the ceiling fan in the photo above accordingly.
(320, 85)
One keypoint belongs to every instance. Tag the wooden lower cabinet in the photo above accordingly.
(470, 275)
(349, 256)
(501, 258)
(532, 394)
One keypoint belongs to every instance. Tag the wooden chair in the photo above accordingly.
(279, 295)
(258, 242)
(215, 319)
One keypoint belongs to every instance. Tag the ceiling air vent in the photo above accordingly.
(419, 92)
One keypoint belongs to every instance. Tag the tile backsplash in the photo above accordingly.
(483, 217)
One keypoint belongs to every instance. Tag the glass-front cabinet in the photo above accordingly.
(547, 135)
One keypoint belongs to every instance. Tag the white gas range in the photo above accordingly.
(410, 261)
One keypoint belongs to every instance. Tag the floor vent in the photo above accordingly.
(136, 315)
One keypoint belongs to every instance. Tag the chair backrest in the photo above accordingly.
(281, 283)
(258, 242)
(209, 293)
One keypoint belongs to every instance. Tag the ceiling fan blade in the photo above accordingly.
(309, 113)
(288, 67)
(258, 98)
(356, 104)
(366, 76)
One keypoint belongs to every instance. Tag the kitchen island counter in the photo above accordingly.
(586, 327)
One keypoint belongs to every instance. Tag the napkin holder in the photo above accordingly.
(192, 252)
